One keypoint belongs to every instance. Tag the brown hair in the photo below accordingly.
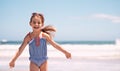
(46, 29)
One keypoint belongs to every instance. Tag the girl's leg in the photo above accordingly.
(43, 67)
(33, 67)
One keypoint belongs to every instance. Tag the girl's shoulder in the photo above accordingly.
(45, 35)
(27, 37)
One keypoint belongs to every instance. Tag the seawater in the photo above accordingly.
(66, 42)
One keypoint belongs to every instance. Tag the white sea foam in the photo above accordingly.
(117, 42)
(76, 50)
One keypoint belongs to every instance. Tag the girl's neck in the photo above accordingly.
(36, 33)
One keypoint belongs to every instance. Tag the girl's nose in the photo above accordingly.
(36, 24)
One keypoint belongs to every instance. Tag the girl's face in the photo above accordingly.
(36, 23)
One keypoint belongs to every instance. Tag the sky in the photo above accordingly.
(75, 20)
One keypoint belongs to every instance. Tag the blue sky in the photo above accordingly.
(74, 19)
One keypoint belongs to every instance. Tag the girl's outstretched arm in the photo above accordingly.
(57, 46)
(19, 51)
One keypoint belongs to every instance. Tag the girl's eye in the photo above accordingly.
(39, 23)
(34, 22)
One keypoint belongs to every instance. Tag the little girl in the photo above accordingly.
(37, 40)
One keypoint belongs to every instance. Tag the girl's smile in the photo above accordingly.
(36, 27)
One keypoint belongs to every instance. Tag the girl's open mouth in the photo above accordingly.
(36, 27)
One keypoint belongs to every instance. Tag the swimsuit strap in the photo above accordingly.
(40, 34)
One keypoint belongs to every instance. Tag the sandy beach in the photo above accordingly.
(84, 58)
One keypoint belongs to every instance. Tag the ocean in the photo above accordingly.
(66, 42)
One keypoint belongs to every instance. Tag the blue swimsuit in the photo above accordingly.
(38, 54)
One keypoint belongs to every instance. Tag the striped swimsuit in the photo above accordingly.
(38, 54)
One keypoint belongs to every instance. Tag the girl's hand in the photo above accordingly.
(12, 64)
(68, 55)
